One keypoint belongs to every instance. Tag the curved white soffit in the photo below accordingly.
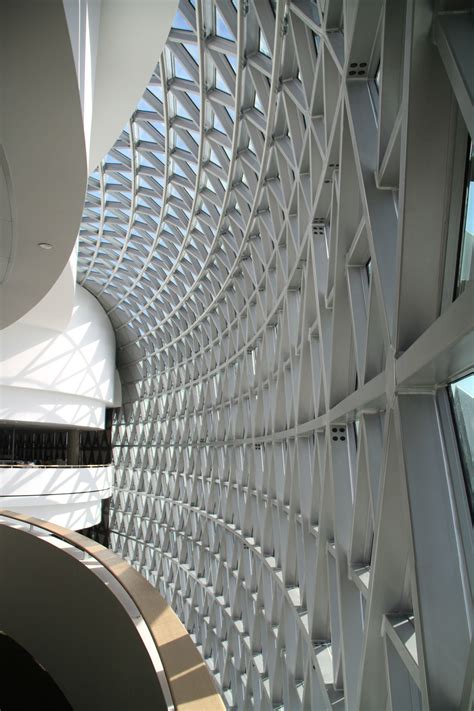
(66, 378)
(79, 361)
(42, 138)
(131, 38)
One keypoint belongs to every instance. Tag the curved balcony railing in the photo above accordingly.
(185, 681)
(69, 496)
(28, 464)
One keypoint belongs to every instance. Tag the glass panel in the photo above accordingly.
(466, 261)
(462, 399)
(221, 27)
(263, 46)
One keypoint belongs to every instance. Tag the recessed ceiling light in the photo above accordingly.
(45, 245)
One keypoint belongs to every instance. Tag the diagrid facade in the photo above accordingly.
(282, 239)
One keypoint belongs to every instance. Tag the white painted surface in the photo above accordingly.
(44, 155)
(73, 516)
(68, 496)
(50, 408)
(65, 378)
(52, 481)
(71, 74)
(54, 311)
(83, 20)
(99, 31)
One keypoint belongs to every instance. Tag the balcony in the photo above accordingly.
(66, 495)
(103, 633)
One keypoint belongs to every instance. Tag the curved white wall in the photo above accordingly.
(67, 496)
(53, 482)
(66, 378)
(50, 408)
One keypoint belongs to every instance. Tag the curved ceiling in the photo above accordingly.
(169, 210)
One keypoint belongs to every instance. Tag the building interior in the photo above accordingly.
(237, 354)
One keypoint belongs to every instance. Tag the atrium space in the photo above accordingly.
(250, 348)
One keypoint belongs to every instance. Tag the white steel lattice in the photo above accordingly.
(273, 237)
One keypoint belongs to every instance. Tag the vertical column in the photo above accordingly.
(441, 605)
(73, 438)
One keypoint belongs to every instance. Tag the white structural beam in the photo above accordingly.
(454, 36)
(274, 237)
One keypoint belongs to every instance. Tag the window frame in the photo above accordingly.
(454, 470)
(468, 171)
(469, 490)
(455, 201)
